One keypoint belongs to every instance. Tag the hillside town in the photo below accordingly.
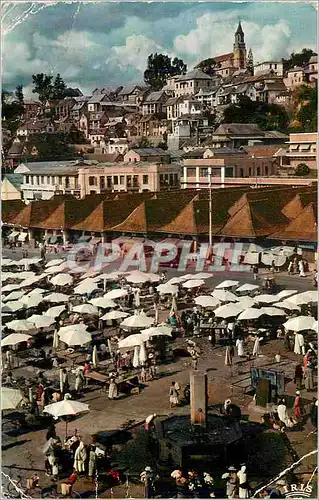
(159, 282)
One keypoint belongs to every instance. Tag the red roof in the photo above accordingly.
(224, 57)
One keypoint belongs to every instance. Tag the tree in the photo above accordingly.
(70, 92)
(266, 116)
(299, 59)
(12, 110)
(302, 170)
(59, 87)
(43, 86)
(307, 108)
(143, 142)
(19, 94)
(208, 66)
(160, 67)
(52, 145)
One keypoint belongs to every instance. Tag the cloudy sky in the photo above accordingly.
(99, 44)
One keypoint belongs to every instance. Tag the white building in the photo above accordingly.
(192, 82)
(43, 183)
(269, 66)
(118, 145)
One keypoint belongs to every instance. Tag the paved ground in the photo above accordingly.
(24, 453)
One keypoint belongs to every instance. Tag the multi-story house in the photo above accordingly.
(64, 107)
(32, 109)
(190, 107)
(43, 183)
(97, 120)
(145, 176)
(192, 82)
(94, 103)
(302, 148)
(36, 127)
(117, 145)
(207, 98)
(294, 78)
(96, 136)
(311, 69)
(133, 94)
(79, 107)
(154, 103)
(172, 107)
(154, 155)
(151, 126)
(267, 66)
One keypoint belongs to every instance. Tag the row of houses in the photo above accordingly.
(284, 214)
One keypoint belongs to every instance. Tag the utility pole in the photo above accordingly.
(210, 211)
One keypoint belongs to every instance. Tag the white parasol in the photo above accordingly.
(300, 323)
(106, 277)
(14, 338)
(273, 311)
(61, 279)
(224, 296)
(41, 321)
(10, 288)
(10, 398)
(156, 331)
(131, 341)
(86, 309)
(305, 298)
(266, 298)
(30, 281)
(32, 300)
(246, 302)
(102, 302)
(137, 321)
(7, 262)
(207, 301)
(19, 325)
(54, 262)
(165, 288)
(136, 278)
(193, 283)
(227, 284)
(87, 286)
(57, 297)
(228, 310)
(286, 304)
(55, 311)
(65, 407)
(286, 293)
(13, 296)
(14, 305)
(203, 276)
(37, 291)
(117, 293)
(247, 288)
(56, 269)
(114, 315)
(24, 275)
(75, 337)
(79, 327)
(250, 313)
(136, 361)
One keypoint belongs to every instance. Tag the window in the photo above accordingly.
(258, 171)
(171, 179)
(145, 179)
(109, 181)
(241, 172)
(76, 182)
(27, 179)
(92, 181)
(191, 172)
(42, 179)
(48, 179)
(275, 66)
(229, 172)
(67, 182)
(122, 179)
(102, 182)
(270, 66)
(203, 172)
(115, 180)
(60, 181)
(176, 179)
(135, 181)
(266, 170)
(36, 180)
(128, 181)
(250, 171)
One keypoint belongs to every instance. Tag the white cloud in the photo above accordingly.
(214, 35)
(135, 52)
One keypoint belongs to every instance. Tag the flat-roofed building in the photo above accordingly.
(301, 148)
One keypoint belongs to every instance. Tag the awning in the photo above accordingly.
(84, 238)
(293, 146)
(14, 234)
(22, 236)
(53, 239)
(305, 147)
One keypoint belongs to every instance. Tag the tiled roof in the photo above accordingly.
(196, 74)
(261, 150)
(239, 129)
(150, 151)
(154, 96)
(294, 207)
(96, 98)
(302, 228)
(224, 57)
(10, 209)
(15, 179)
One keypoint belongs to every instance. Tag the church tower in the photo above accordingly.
(250, 62)
(239, 49)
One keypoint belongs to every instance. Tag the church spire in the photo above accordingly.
(239, 29)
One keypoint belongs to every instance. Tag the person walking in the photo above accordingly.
(194, 356)
(65, 381)
(255, 271)
(240, 347)
(80, 458)
(79, 380)
(113, 390)
(301, 267)
(173, 396)
(92, 460)
(308, 375)
(290, 267)
(231, 482)
(298, 376)
(297, 407)
(243, 483)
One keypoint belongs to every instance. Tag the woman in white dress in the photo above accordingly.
(80, 458)
(243, 485)
(240, 347)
